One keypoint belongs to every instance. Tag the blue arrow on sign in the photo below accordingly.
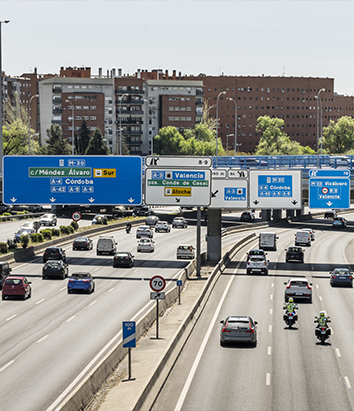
(129, 335)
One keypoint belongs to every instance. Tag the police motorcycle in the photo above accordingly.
(290, 317)
(322, 330)
(128, 228)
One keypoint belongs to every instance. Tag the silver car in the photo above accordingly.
(48, 219)
(298, 288)
(311, 231)
(144, 231)
(238, 329)
(145, 244)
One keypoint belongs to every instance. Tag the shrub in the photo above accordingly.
(11, 243)
(71, 229)
(3, 248)
(47, 234)
(64, 229)
(40, 238)
(5, 215)
(55, 232)
(75, 225)
(33, 237)
(24, 240)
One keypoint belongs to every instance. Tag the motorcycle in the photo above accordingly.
(127, 229)
(323, 333)
(290, 318)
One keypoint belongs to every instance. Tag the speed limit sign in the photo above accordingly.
(76, 216)
(157, 283)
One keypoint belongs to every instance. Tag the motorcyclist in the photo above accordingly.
(290, 306)
(322, 320)
(128, 227)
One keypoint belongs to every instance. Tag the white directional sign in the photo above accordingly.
(180, 161)
(229, 188)
(277, 189)
(177, 186)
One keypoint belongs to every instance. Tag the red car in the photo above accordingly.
(16, 286)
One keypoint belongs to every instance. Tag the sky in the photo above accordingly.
(274, 38)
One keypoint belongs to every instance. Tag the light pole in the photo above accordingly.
(227, 142)
(232, 99)
(1, 150)
(120, 124)
(318, 146)
(217, 124)
(72, 143)
(29, 123)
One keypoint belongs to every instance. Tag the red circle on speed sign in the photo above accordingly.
(324, 190)
(157, 283)
(76, 216)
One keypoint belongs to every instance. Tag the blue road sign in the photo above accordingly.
(235, 194)
(329, 188)
(129, 336)
(79, 180)
(275, 186)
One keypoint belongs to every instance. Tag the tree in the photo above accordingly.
(83, 138)
(97, 146)
(168, 141)
(56, 144)
(338, 138)
(125, 148)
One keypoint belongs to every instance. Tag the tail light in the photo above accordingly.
(288, 286)
(309, 287)
(225, 330)
(333, 276)
(86, 281)
(251, 330)
(323, 328)
(71, 280)
(350, 277)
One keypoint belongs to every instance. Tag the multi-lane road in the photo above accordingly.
(288, 369)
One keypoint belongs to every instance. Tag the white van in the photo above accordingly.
(268, 241)
(303, 238)
(106, 245)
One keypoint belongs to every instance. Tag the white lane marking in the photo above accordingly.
(96, 268)
(71, 318)
(269, 352)
(320, 298)
(270, 310)
(40, 301)
(271, 296)
(317, 286)
(10, 318)
(270, 328)
(87, 253)
(338, 352)
(347, 382)
(110, 290)
(272, 285)
(268, 378)
(94, 302)
(201, 350)
(64, 288)
(6, 365)
(43, 338)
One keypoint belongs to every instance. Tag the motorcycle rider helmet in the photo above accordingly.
(291, 300)
(322, 313)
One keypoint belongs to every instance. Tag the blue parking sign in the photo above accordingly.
(129, 335)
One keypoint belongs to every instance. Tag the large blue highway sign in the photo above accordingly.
(129, 335)
(329, 188)
(79, 180)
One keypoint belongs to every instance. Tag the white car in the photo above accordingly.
(27, 226)
(311, 231)
(48, 219)
(298, 288)
(185, 251)
(257, 264)
(146, 244)
(162, 226)
(144, 231)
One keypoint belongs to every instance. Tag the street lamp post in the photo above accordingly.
(227, 142)
(120, 124)
(232, 99)
(72, 143)
(29, 123)
(217, 124)
(1, 149)
(318, 146)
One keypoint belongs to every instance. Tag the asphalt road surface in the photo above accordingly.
(288, 369)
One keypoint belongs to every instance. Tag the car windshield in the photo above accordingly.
(78, 239)
(294, 249)
(13, 281)
(299, 283)
(53, 265)
(257, 259)
(341, 272)
(256, 252)
(47, 216)
(122, 255)
(80, 275)
(52, 250)
(238, 324)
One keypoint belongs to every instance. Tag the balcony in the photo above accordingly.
(56, 121)
(130, 112)
(134, 143)
(130, 101)
(198, 102)
(125, 120)
(121, 92)
(57, 100)
(199, 92)
(131, 133)
(57, 110)
(57, 89)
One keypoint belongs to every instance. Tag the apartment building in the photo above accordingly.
(293, 99)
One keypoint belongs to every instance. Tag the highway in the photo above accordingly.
(288, 369)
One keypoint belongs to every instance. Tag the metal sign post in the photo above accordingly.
(157, 284)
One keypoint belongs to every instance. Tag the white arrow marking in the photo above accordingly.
(13, 199)
(131, 200)
(52, 199)
(329, 203)
(91, 200)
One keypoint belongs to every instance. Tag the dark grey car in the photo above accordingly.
(238, 329)
(341, 276)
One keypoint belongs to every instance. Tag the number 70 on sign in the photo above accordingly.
(157, 283)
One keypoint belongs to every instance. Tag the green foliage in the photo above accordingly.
(97, 146)
(75, 225)
(47, 234)
(125, 148)
(338, 138)
(55, 232)
(37, 237)
(64, 229)
(274, 140)
(4, 248)
(71, 229)
(11, 243)
(82, 141)
(24, 240)
(5, 215)
(56, 145)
